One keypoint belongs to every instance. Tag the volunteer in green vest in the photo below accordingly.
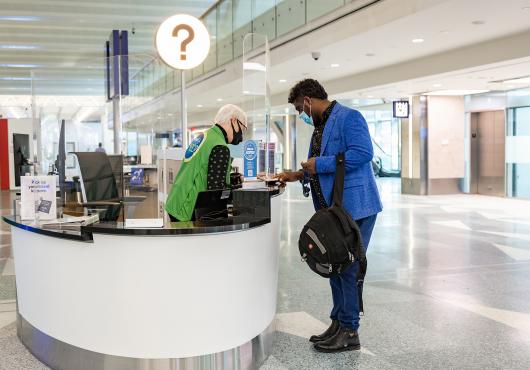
(207, 162)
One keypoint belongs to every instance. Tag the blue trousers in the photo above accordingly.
(344, 285)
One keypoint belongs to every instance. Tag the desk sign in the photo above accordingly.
(401, 109)
(250, 160)
(38, 197)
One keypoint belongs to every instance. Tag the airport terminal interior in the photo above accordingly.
(106, 105)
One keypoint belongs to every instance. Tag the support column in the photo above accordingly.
(433, 144)
(183, 109)
(289, 157)
(116, 124)
(414, 173)
(36, 137)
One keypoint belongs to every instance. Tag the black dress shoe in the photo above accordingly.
(331, 331)
(345, 340)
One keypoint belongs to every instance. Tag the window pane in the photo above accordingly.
(262, 6)
(317, 8)
(290, 14)
(210, 21)
(224, 32)
(242, 24)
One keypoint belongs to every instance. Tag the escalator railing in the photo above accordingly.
(377, 162)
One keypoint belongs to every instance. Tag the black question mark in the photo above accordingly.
(186, 41)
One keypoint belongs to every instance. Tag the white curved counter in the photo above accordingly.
(120, 301)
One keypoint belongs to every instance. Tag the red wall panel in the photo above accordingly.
(4, 155)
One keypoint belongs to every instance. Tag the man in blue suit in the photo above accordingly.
(338, 129)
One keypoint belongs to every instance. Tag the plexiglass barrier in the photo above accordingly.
(256, 69)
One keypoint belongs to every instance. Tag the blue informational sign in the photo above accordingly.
(250, 159)
(137, 176)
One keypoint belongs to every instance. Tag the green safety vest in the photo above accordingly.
(193, 174)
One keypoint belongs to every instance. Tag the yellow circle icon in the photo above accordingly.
(182, 41)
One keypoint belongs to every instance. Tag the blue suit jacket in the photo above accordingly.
(346, 132)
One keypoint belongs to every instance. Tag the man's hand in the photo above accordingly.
(290, 176)
(310, 166)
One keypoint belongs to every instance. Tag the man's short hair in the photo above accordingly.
(229, 111)
(308, 87)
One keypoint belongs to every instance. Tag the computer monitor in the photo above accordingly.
(211, 205)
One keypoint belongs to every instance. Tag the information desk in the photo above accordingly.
(188, 296)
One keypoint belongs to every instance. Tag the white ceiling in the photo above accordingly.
(444, 25)
(44, 34)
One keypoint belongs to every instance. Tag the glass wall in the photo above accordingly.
(384, 130)
(517, 144)
(228, 22)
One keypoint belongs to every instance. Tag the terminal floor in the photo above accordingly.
(447, 288)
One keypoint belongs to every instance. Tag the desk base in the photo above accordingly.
(63, 356)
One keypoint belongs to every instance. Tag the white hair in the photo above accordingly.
(229, 111)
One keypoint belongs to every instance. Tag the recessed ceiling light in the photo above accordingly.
(444, 32)
(522, 80)
(478, 23)
(19, 65)
(437, 85)
(19, 47)
(20, 18)
(219, 99)
(246, 92)
(199, 105)
(526, 8)
(456, 92)
(282, 81)
(370, 96)
(417, 41)
(510, 86)
(335, 65)
(15, 78)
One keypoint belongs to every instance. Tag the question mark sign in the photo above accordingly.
(186, 41)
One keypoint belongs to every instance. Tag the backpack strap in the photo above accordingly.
(363, 265)
(338, 185)
(343, 219)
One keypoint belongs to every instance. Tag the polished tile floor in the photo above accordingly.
(447, 288)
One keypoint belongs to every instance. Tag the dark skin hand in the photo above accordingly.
(310, 166)
(290, 176)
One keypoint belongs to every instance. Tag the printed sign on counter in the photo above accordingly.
(250, 159)
(38, 196)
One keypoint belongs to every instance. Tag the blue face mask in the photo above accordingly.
(306, 117)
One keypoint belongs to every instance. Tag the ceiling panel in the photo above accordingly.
(43, 34)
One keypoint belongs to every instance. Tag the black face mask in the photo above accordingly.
(237, 137)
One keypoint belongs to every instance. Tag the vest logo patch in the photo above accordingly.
(194, 146)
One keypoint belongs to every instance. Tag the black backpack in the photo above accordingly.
(331, 241)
